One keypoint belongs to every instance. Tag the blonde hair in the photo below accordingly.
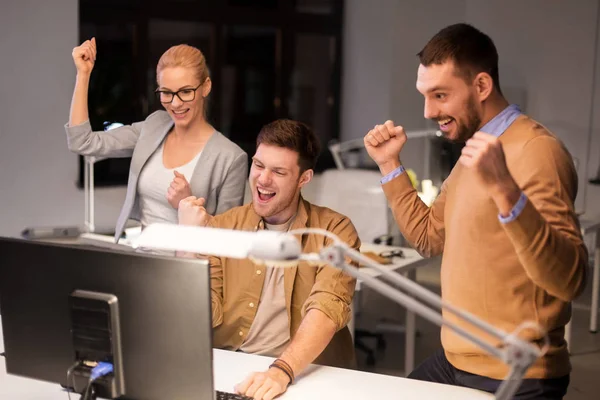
(185, 56)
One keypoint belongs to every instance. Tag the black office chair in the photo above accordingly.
(361, 334)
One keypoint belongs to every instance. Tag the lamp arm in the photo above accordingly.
(335, 255)
(284, 248)
(420, 292)
(517, 353)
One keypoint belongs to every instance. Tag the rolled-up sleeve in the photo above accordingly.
(216, 290)
(333, 290)
(216, 282)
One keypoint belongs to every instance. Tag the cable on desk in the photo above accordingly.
(102, 369)
(89, 393)
(70, 377)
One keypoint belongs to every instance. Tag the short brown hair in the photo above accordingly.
(471, 50)
(295, 136)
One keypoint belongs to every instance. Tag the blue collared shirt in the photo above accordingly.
(496, 126)
(500, 123)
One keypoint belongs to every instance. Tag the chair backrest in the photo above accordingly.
(357, 194)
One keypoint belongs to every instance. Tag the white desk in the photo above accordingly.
(335, 383)
(411, 260)
(316, 383)
(407, 266)
(593, 227)
(590, 227)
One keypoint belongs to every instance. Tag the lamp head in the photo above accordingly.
(263, 247)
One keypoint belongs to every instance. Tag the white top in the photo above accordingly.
(153, 184)
(269, 333)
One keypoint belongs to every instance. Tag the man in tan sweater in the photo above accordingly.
(504, 219)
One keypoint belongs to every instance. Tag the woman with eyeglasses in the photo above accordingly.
(176, 154)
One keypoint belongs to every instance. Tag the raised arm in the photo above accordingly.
(536, 208)
(80, 136)
(422, 226)
(84, 57)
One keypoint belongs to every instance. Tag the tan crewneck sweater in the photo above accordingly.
(527, 269)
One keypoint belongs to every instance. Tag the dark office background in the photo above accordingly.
(268, 59)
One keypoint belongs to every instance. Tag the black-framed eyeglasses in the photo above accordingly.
(185, 95)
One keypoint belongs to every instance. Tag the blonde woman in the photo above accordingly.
(175, 153)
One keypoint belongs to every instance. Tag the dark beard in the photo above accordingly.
(472, 124)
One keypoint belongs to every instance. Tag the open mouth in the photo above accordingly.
(445, 124)
(180, 114)
(265, 195)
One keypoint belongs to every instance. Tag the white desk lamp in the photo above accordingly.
(89, 227)
(281, 249)
(88, 188)
(88, 183)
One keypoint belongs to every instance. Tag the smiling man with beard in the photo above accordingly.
(504, 219)
(297, 314)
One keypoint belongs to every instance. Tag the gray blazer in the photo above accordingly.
(220, 175)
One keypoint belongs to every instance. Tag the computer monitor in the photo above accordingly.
(164, 315)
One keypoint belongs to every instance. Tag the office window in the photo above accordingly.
(325, 7)
(112, 98)
(311, 95)
(249, 76)
(268, 59)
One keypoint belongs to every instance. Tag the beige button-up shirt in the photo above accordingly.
(236, 284)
